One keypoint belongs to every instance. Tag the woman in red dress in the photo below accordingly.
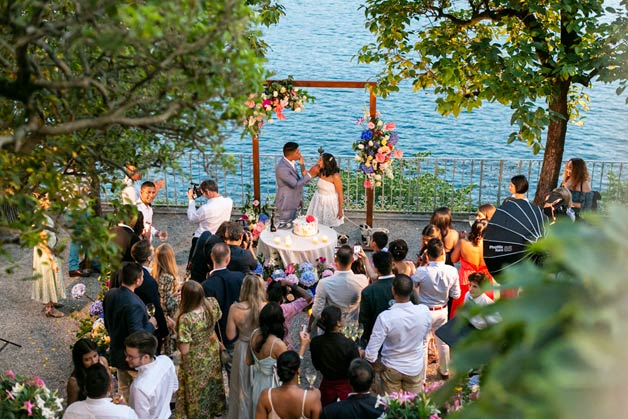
(470, 253)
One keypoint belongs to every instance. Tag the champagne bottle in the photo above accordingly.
(273, 228)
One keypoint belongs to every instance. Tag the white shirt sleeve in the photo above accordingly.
(376, 340)
(192, 212)
(319, 301)
(140, 403)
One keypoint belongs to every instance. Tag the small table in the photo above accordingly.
(302, 249)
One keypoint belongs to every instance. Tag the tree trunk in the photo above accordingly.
(555, 142)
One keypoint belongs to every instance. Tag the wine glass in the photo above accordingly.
(150, 309)
(471, 220)
(310, 376)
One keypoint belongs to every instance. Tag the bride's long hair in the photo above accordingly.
(330, 165)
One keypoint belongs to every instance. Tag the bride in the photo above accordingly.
(327, 202)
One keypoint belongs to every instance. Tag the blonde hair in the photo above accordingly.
(192, 297)
(253, 293)
(164, 262)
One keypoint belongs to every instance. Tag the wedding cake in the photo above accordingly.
(305, 226)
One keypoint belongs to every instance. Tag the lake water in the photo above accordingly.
(317, 40)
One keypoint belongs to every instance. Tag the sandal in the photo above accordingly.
(53, 312)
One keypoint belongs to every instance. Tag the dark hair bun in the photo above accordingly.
(288, 364)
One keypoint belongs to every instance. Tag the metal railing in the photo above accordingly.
(420, 184)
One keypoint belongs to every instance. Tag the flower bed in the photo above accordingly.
(22, 398)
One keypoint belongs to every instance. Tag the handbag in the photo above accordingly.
(225, 356)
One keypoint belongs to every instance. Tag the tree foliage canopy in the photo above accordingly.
(560, 350)
(534, 56)
(87, 86)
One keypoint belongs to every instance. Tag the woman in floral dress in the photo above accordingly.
(165, 271)
(201, 391)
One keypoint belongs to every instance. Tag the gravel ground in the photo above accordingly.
(45, 342)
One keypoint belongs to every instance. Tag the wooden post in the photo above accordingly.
(256, 177)
(371, 191)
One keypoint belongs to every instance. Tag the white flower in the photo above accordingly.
(275, 93)
(297, 109)
(270, 120)
(48, 413)
(378, 177)
(17, 389)
(387, 137)
(390, 175)
(78, 291)
(304, 98)
(380, 123)
(361, 146)
(358, 158)
(41, 404)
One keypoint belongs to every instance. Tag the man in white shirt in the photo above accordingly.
(148, 191)
(156, 379)
(343, 289)
(210, 215)
(98, 384)
(437, 283)
(401, 331)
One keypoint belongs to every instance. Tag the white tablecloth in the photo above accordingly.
(301, 249)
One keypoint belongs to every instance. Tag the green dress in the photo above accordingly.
(201, 390)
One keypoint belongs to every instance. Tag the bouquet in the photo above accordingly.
(376, 149)
(304, 274)
(95, 330)
(21, 398)
(254, 216)
(408, 406)
(277, 96)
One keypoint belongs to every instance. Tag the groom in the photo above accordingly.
(290, 181)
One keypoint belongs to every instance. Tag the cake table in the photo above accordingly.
(300, 249)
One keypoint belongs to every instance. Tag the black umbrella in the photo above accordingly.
(514, 226)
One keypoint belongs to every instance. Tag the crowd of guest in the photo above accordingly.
(222, 316)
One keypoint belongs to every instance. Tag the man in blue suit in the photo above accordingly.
(125, 313)
(224, 285)
(290, 180)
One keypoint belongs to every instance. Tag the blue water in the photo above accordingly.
(318, 40)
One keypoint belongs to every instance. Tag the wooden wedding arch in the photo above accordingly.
(330, 85)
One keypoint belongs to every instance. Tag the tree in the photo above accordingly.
(87, 86)
(518, 53)
(560, 349)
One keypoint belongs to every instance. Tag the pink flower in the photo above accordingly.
(108, 284)
(10, 373)
(371, 125)
(290, 269)
(368, 183)
(390, 126)
(29, 407)
(322, 259)
(266, 102)
(398, 154)
(10, 395)
(256, 203)
(250, 104)
(39, 382)
(326, 273)
(310, 218)
(245, 217)
(380, 157)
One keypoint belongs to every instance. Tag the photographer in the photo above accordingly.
(241, 245)
(210, 215)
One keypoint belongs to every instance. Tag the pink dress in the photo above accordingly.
(465, 270)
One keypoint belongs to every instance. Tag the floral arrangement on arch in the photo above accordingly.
(22, 398)
(278, 95)
(255, 216)
(376, 149)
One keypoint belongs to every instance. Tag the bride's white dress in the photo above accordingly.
(324, 204)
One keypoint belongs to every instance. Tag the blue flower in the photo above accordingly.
(306, 266)
(308, 278)
(394, 138)
(366, 169)
(263, 218)
(367, 134)
(96, 308)
(278, 273)
(259, 269)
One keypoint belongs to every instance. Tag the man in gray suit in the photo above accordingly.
(290, 181)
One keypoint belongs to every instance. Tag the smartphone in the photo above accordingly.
(356, 251)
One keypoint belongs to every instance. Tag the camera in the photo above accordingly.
(196, 192)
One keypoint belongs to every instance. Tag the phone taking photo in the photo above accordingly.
(356, 251)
